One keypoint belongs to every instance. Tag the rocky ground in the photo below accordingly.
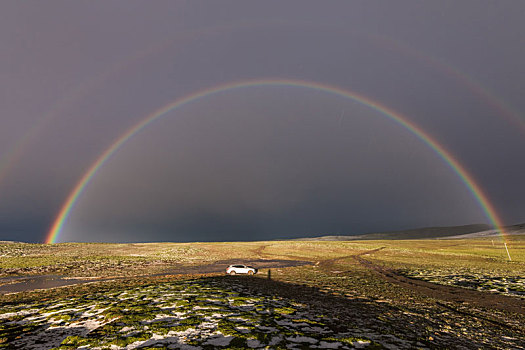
(194, 314)
(502, 284)
(238, 312)
(401, 295)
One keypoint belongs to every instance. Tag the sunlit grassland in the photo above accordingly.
(481, 254)
(481, 264)
(287, 310)
(487, 254)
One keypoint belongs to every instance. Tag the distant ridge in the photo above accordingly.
(518, 229)
(417, 233)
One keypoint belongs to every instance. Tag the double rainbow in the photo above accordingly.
(465, 177)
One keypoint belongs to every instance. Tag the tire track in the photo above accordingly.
(451, 294)
(447, 293)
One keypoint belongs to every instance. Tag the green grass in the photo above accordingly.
(249, 303)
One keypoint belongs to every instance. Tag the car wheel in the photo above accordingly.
(232, 273)
(250, 272)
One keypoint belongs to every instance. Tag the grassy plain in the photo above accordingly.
(355, 294)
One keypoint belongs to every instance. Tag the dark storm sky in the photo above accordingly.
(259, 162)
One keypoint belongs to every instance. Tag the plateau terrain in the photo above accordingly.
(426, 293)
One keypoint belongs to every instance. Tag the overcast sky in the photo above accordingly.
(258, 162)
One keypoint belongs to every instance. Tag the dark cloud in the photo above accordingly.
(258, 163)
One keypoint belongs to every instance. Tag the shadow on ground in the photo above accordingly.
(225, 312)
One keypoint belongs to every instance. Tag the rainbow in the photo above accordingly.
(12, 156)
(466, 178)
(503, 108)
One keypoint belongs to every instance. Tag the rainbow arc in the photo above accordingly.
(467, 179)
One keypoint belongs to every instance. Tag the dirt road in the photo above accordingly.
(28, 283)
(445, 293)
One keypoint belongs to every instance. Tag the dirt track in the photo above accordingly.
(220, 266)
(27, 283)
(449, 294)
(445, 293)
(466, 302)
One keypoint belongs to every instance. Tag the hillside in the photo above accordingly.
(417, 233)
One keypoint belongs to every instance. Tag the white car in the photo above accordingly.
(235, 269)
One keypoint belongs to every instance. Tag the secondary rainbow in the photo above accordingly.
(10, 158)
(503, 108)
(466, 178)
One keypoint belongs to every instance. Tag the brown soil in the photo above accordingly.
(445, 293)
(27, 283)
(462, 301)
